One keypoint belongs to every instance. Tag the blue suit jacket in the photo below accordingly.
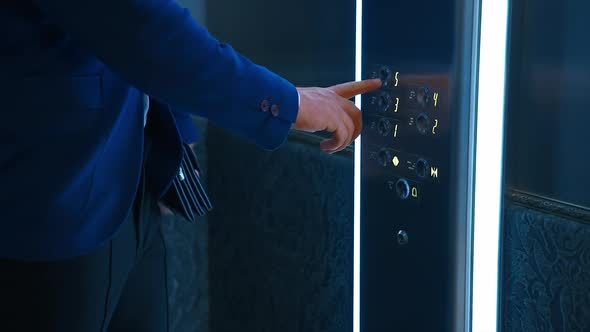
(72, 74)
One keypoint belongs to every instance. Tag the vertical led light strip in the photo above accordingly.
(356, 289)
(489, 163)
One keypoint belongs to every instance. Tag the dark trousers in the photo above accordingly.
(119, 287)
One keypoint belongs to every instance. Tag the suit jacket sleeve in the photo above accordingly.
(160, 49)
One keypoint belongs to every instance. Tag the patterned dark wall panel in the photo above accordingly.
(546, 277)
(280, 238)
(546, 272)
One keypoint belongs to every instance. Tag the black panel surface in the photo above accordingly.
(409, 165)
(405, 176)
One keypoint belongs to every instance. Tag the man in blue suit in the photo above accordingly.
(80, 244)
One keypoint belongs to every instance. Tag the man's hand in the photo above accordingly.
(329, 109)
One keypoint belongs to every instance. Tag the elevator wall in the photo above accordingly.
(546, 224)
(280, 238)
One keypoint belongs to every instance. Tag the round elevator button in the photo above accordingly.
(402, 237)
(423, 123)
(422, 168)
(384, 127)
(384, 158)
(402, 188)
(423, 97)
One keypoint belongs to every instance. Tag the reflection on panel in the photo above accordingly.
(405, 165)
(414, 177)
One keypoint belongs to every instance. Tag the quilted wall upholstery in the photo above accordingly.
(280, 238)
(276, 254)
(546, 272)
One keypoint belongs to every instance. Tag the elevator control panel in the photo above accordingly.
(414, 159)
(406, 128)
(405, 249)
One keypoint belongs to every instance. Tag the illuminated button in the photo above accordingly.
(395, 161)
(402, 188)
(384, 127)
(434, 172)
(423, 123)
(384, 158)
(421, 168)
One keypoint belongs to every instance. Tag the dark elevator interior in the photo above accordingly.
(277, 252)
